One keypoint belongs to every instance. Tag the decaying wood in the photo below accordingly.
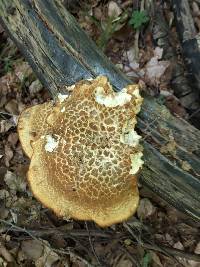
(60, 53)
(190, 41)
(182, 87)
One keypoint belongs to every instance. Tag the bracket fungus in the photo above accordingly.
(85, 153)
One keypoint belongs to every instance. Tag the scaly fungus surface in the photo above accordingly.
(84, 152)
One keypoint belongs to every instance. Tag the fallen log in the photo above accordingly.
(181, 85)
(189, 40)
(60, 53)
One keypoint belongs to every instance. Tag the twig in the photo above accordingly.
(175, 252)
(81, 233)
(163, 249)
(73, 254)
(91, 244)
(69, 252)
(135, 262)
(138, 239)
(18, 228)
(159, 248)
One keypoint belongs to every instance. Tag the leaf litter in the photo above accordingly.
(31, 235)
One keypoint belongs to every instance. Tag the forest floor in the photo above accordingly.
(30, 234)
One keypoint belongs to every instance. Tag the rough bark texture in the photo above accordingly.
(190, 41)
(182, 87)
(60, 53)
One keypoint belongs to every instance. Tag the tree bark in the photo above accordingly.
(190, 43)
(60, 53)
(181, 85)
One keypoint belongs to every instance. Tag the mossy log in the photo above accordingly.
(61, 53)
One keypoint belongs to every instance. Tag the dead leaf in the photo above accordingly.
(12, 107)
(155, 68)
(195, 9)
(4, 194)
(186, 166)
(8, 155)
(4, 212)
(40, 252)
(5, 253)
(113, 9)
(15, 182)
(35, 87)
(170, 147)
(48, 257)
(98, 13)
(3, 263)
(5, 125)
(22, 70)
(195, 263)
(185, 262)
(124, 262)
(32, 249)
(156, 259)
(13, 139)
(8, 82)
(132, 59)
(3, 100)
(145, 208)
(178, 245)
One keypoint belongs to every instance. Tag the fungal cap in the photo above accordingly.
(86, 155)
(64, 202)
(32, 124)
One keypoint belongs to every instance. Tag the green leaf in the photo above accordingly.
(138, 18)
(146, 260)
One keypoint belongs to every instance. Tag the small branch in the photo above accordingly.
(161, 248)
(134, 261)
(112, 235)
(91, 245)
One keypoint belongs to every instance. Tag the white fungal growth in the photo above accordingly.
(51, 143)
(130, 138)
(71, 87)
(136, 93)
(136, 162)
(62, 97)
(62, 109)
(112, 100)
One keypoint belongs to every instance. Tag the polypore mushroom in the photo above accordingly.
(85, 154)
(32, 124)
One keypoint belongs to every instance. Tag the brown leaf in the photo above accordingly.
(32, 249)
(145, 208)
(5, 125)
(155, 68)
(13, 139)
(113, 9)
(8, 154)
(22, 70)
(12, 107)
(35, 87)
(5, 253)
(124, 262)
(156, 259)
(14, 182)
